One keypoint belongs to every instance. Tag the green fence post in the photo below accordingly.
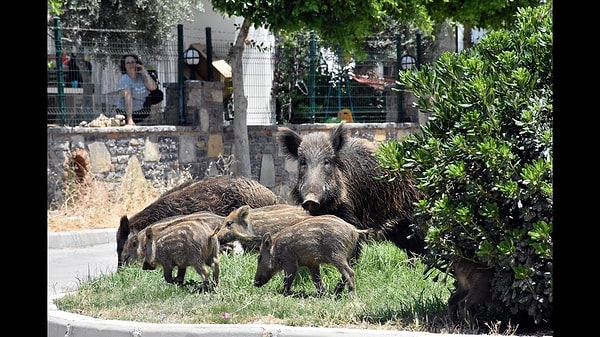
(209, 55)
(399, 107)
(419, 51)
(59, 71)
(312, 75)
(180, 73)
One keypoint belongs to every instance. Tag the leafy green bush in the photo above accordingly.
(484, 160)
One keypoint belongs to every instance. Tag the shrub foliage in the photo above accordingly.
(484, 160)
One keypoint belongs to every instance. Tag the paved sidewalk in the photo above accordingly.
(79, 256)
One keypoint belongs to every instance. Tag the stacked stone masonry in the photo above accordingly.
(163, 152)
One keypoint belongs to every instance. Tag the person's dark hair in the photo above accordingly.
(137, 59)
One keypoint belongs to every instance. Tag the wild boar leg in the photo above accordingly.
(456, 303)
(339, 287)
(180, 275)
(204, 272)
(315, 273)
(288, 278)
(168, 273)
(215, 268)
(346, 279)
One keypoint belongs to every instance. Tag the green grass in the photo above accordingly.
(391, 293)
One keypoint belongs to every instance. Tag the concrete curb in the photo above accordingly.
(62, 324)
(81, 238)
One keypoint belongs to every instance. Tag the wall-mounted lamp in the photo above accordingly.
(407, 62)
(191, 57)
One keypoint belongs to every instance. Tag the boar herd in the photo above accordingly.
(338, 202)
(219, 195)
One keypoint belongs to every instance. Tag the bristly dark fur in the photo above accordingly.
(314, 241)
(247, 225)
(471, 292)
(130, 253)
(341, 173)
(219, 195)
(188, 243)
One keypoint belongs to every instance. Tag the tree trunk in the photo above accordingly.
(241, 148)
(467, 37)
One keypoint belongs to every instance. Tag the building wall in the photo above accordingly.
(222, 26)
(258, 65)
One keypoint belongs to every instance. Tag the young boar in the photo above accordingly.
(133, 247)
(248, 225)
(219, 194)
(311, 242)
(189, 243)
(472, 290)
(338, 174)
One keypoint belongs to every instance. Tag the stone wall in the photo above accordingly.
(202, 147)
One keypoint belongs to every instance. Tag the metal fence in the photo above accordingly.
(88, 85)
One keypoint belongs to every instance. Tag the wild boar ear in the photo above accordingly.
(339, 136)
(288, 141)
(244, 212)
(149, 234)
(216, 230)
(266, 240)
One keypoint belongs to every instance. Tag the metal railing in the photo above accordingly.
(82, 82)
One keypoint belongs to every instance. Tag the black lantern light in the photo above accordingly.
(191, 57)
(407, 62)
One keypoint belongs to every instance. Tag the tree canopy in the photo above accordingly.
(491, 14)
(150, 21)
(348, 22)
(345, 23)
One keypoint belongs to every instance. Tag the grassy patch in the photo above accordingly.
(391, 293)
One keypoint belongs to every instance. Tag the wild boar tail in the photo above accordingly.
(357, 249)
(365, 234)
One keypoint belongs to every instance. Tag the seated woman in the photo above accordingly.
(134, 85)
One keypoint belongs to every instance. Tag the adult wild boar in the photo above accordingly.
(309, 243)
(248, 225)
(189, 243)
(218, 194)
(472, 290)
(133, 248)
(338, 174)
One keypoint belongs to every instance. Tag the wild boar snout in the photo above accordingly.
(311, 203)
(259, 281)
(148, 266)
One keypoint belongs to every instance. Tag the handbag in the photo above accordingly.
(155, 96)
